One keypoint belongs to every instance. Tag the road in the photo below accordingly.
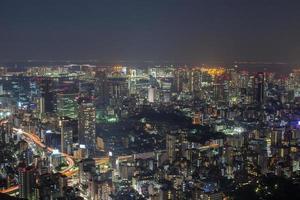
(39, 143)
(10, 189)
(68, 171)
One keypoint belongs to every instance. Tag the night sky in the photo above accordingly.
(151, 30)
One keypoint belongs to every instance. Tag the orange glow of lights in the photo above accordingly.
(213, 71)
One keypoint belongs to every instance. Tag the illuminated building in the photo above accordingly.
(87, 126)
(1, 89)
(117, 87)
(101, 89)
(219, 92)
(68, 131)
(213, 196)
(102, 186)
(132, 81)
(55, 158)
(178, 81)
(27, 156)
(100, 143)
(40, 106)
(197, 119)
(5, 132)
(171, 141)
(46, 86)
(151, 94)
(52, 186)
(87, 169)
(27, 182)
(259, 88)
(213, 71)
(67, 105)
(126, 170)
(81, 152)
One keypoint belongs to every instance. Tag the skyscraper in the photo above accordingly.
(67, 105)
(171, 147)
(151, 94)
(46, 86)
(259, 88)
(68, 131)
(101, 91)
(27, 181)
(87, 126)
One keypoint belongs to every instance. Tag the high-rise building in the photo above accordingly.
(46, 86)
(52, 186)
(40, 106)
(117, 87)
(67, 105)
(101, 92)
(69, 132)
(259, 88)
(55, 158)
(151, 94)
(27, 182)
(87, 126)
(87, 168)
(102, 186)
(171, 147)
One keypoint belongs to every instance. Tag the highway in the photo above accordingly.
(10, 189)
(38, 142)
(68, 171)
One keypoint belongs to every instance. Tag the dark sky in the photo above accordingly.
(137, 30)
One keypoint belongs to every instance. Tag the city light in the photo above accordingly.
(150, 100)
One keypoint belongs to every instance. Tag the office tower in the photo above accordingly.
(46, 86)
(3, 71)
(69, 133)
(27, 181)
(52, 186)
(1, 89)
(219, 93)
(117, 87)
(132, 81)
(171, 141)
(3, 135)
(151, 94)
(196, 80)
(259, 88)
(87, 165)
(101, 89)
(26, 156)
(101, 189)
(80, 152)
(55, 158)
(67, 105)
(40, 106)
(100, 144)
(87, 126)
(197, 118)
(87, 168)
(178, 80)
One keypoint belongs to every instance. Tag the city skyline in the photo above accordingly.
(149, 99)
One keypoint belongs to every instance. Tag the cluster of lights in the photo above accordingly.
(5, 114)
(214, 71)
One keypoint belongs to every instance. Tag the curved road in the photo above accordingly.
(38, 142)
(67, 172)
